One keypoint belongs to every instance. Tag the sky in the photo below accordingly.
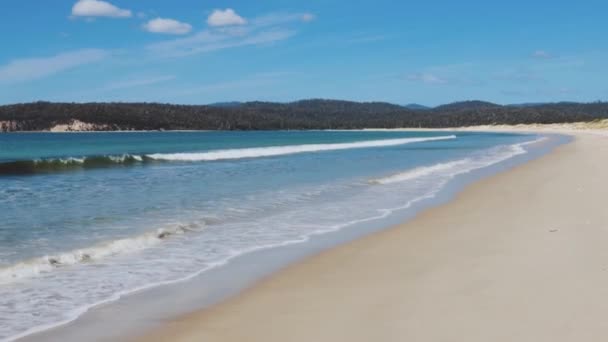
(205, 51)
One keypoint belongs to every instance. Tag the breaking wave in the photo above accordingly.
(29, 167)
(48, 263)
(26, 167)
(457, 167)
(257, 152)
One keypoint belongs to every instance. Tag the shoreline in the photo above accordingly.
(149, 309)
(86, 324)
(571, 127)
(301, 285)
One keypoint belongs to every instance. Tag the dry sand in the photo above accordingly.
(520, 256)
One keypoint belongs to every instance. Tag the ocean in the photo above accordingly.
(87, 218)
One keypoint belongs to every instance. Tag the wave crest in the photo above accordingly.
(258, 152)
(29, 167)
(48, 263)
(456, 167)
(421, 171)
(25, 167)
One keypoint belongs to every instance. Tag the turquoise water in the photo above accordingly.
(87, 218)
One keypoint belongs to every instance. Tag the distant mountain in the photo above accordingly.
(231, 104)
(524, 105)
(467, 105)
(537, 104)
(415, 106)
(305, 114)
(346, 106)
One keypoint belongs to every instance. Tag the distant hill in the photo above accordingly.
(524, 105)
(345, 106)
(226, 104)
(305, 114)
(415, 106)
(467, 105)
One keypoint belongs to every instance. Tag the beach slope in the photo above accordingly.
(520, 256)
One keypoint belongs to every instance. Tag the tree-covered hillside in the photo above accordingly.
(306, 114)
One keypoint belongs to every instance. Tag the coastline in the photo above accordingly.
(600, 125)
(136, 309)
(517, 255)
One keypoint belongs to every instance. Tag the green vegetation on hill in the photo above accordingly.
(306, 114)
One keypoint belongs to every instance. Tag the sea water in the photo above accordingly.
(86, 218)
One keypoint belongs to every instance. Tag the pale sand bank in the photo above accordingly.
(76, 126)
(521, 256)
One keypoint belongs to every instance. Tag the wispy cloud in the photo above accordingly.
(167, 26)
(211, 40)
(98, 8)
(280, 18)
(258, 31)
(427, 78)
(27, 69)
(138, 82)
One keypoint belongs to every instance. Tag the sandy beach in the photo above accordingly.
(520, 256)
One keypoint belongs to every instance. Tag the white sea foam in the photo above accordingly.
(48, 263)
(258, 152)
(457, 167)
(421, 171)
(68, 160)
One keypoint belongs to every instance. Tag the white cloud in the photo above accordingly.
(227, 17)
(427, 78)
(541, 54)
(98, 8)
(27, 69)
(262, 30)
(168, 26)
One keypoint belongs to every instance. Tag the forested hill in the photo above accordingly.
(307, 114)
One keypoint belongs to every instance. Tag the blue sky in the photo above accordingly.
(197, 52)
